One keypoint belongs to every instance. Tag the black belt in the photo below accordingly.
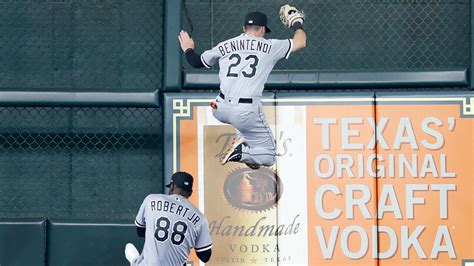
(241, 100)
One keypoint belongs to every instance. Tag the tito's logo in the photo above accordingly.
(254, 190)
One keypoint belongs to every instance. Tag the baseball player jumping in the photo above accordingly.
(171, 226)
(245, 63)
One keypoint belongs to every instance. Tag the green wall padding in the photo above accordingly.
(23, 242)
(80, 243)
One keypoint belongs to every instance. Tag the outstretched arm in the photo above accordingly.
(299, 37)
(185, 40)
(187, 45)
(293, 18)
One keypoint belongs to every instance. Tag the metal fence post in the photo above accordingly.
(172, 52)
(471, 44)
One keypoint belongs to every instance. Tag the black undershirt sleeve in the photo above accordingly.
(141, 231)
(193, 58)
(297, 26)
(204, 256)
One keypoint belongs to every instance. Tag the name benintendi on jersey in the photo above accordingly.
(178, 209)
(232, 46)
(245, 62)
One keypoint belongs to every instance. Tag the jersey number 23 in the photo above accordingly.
(236, 59)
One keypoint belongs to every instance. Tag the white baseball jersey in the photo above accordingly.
(173, 226)
(245, 62)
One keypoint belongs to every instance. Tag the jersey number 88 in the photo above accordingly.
(162, 230)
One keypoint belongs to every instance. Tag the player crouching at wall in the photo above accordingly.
(245, 62)
(171, 225)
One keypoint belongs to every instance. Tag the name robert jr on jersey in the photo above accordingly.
(177, 209)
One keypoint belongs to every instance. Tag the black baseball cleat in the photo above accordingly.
(233, 154)
(253, 166)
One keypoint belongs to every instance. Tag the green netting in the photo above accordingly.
(349, 34)
(78, 162)
(64, 44)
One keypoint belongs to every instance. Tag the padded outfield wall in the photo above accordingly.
(98, 108)
(361, 178)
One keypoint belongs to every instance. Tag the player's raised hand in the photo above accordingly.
(185, 40)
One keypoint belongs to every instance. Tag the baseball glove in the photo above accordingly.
(288, 15)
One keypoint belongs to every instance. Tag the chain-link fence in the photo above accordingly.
(64, 44)
(349, 34)
(72, 162)
(78, 162)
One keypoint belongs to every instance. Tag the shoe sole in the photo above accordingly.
(131, 252)
(225, 157)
